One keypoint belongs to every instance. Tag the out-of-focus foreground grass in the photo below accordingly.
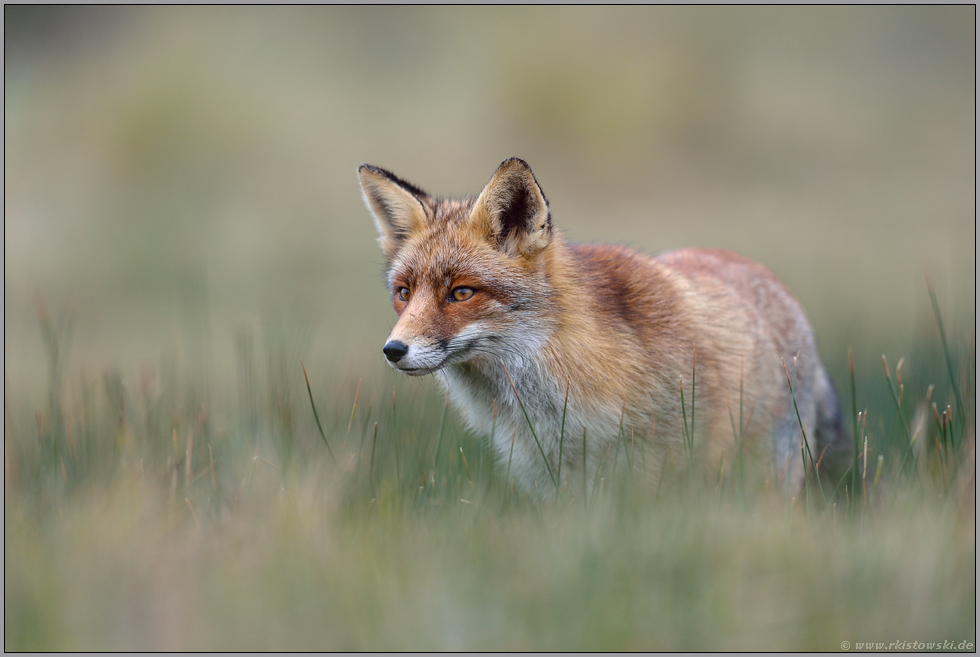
(183, 226)
(136, 519)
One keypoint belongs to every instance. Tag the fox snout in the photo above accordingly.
(414, 356)
(394, 350)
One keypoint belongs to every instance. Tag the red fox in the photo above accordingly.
(572, 351)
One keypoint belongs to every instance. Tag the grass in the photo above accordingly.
(307, 515)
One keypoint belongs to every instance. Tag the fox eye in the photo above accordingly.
(463, 293)
(404, 293)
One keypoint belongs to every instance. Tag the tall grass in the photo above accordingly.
(306, 513)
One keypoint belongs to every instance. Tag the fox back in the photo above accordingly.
(572, 351)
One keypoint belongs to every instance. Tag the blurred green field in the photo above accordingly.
(156, 526)
(183, 227)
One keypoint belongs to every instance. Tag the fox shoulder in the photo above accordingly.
(620, 287)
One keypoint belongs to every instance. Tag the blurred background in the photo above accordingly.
(180, 182)
(183, 225)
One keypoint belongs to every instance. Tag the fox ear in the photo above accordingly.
(398, 206)
(512, 210)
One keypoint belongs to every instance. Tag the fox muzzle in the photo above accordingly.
(394, 350)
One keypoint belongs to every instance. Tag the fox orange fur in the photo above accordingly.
(504, 312)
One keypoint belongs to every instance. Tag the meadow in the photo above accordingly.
(149, 517)
(203, 447)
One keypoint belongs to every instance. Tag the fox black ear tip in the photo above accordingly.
(515, 160)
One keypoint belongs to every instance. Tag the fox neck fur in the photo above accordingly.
(574, 347)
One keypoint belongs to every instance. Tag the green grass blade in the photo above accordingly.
(316, 416)
(374, 444)
(561, 436)
(960, 409)
(856, 436)
(805, 447)
(531, 427)
(909, 459)
(510, 458)
(585, 486)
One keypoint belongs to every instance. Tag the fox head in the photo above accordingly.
(468, 278)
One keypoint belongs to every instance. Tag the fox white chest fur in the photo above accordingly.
(569, 353)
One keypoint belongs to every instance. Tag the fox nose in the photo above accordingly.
(394, 350)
